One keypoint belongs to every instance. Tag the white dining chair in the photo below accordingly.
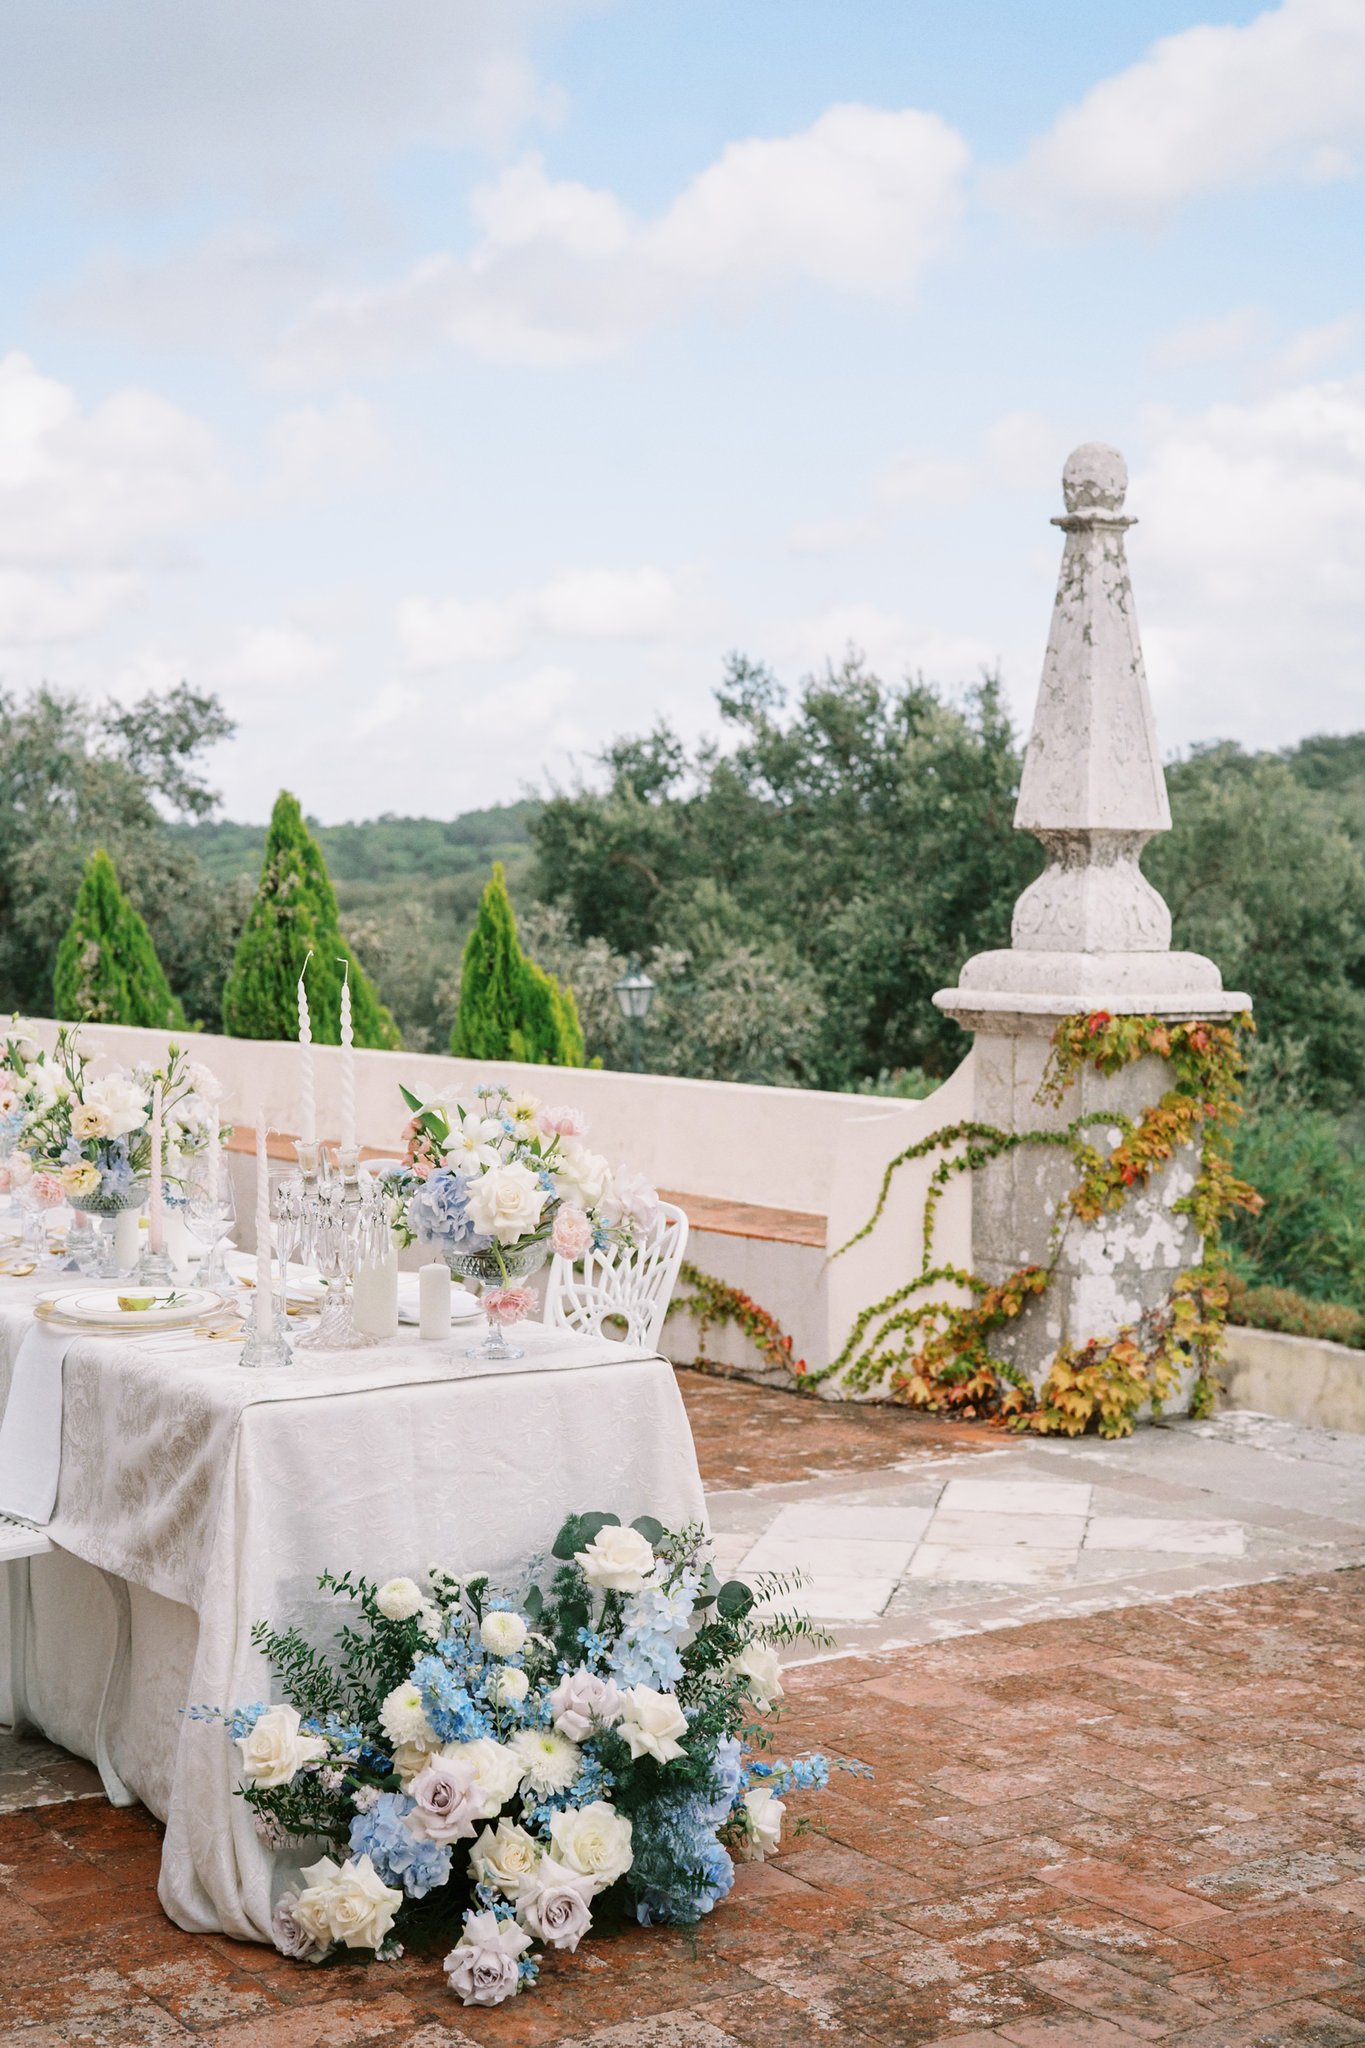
(632, 1284)
(20, 1542)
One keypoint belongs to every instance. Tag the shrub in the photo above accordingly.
(1280, 1308)
(509, 1008)
(107, 971)
(295, 913)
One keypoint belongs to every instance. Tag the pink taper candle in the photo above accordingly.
(155, 1232)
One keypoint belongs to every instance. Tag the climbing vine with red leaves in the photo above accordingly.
(937, 1356)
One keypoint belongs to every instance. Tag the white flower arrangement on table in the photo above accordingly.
(499, 1776)
(500, 1174)
(93, 1133)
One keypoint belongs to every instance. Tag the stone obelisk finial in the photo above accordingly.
(1091, 932)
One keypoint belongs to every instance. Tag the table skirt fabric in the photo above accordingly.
(470, 1473)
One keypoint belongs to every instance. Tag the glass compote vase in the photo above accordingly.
(98, 1257)
(499, 1271)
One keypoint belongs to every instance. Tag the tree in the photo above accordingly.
(295, 913)
(107, 971)
(75, 776)
(509, 1008)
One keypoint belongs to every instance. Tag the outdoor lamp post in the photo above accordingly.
(635, 993)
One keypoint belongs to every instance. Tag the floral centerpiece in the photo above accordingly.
(496, 1183)
(497, 1775)
(93, 1132)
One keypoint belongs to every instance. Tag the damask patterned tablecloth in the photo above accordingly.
(220, 1494)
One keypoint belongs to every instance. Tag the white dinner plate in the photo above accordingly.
(99, 1307)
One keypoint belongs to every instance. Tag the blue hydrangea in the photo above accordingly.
(439, 1212)
(664, 1607)
(116, 1172)
(398, 1855)
(646, 1657)
(727, 1780)
(447, 1703)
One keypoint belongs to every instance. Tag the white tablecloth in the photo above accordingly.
(219, 1495)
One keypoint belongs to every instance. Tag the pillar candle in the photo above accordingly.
(127, 1239)
(265, 1300)
(433, 1297)
(374, 1295)
(155, 1235)
(308, 1106)
(348, 1143)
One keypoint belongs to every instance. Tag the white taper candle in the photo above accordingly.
(308, 1107)
(155, 1226)
(348, 1143)
(265, 1301)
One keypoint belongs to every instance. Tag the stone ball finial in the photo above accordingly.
(1094, 479)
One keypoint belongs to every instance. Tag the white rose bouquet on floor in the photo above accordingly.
(497, 1774)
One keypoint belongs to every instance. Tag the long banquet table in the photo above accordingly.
(217, 1495)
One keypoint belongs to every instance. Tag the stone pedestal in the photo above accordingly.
(1090, 934)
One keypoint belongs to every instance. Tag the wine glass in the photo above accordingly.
(210, 1213)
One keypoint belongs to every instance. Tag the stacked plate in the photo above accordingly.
(131, 1308)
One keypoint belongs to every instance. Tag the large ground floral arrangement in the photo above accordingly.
(499, 1171)
(92, 1133)
(496, 1776)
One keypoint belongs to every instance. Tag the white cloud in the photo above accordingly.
(326, 448)
(234, 291)
(1247, 565)
(894, 646)
(96, 489)
(1207, 109)
(580, 604)
(1209, 341)
(1317, 348)
(857, 203)
(160, 100)
(38, 609)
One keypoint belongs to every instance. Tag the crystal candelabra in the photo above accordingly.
(330, 1215)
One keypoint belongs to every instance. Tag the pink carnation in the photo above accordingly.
(572, 1232)
(563, 1123)
(508, 1304)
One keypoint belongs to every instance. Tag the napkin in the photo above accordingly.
(31, 1427)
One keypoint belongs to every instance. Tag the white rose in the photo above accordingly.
(123, 1101)
(761, 1669)
(553, 1904)
(504, 1857)
(631, 1195)
(594, 1840)
(505, 1203)
(497, 1769)
(620, 1560)
(482, 1967)
(351, 1904)
(501, 1633)
(510, 1686)
(399, 1599)
(275, 1750)
(582, 1175)
(404, 1720)
(765, 1811)
(652, 1722)
(411, 1757)
(581, 1698)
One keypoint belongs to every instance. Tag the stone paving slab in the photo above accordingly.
(1135, 1826)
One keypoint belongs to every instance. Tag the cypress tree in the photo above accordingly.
(295, 913)
(107, 971)
(510, 1009)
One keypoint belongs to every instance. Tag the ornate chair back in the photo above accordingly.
(631, 1282)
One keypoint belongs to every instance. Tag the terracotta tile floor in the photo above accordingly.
(1131, 1826)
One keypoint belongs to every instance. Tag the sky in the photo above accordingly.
(451, 385)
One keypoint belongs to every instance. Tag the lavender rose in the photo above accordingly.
(581, 1698)
(481, 1969)
(289, 1934)
(448, 1800)
(553, 1904)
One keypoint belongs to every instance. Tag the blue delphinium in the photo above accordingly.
(399, 1856)
(808, 1773)
(447, 1704)
(681, 1867)
(653, 1621)
(439, 1212)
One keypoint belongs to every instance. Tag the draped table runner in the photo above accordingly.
(219, 1494)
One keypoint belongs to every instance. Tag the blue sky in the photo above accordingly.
(451, 386)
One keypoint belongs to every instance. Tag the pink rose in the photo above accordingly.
(47, 1190)
(572, 1233)
(553, 1904)
(507, 1304)
(563, 1123)
(448, 1800)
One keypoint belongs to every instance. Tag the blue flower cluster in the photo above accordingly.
(686, 1870)
(399, 1856)
(652, 1622)
(454, 1715)
(238, 1723)
(801, 1774)
(439, 1212)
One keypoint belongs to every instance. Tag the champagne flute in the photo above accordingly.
(210, 1213)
